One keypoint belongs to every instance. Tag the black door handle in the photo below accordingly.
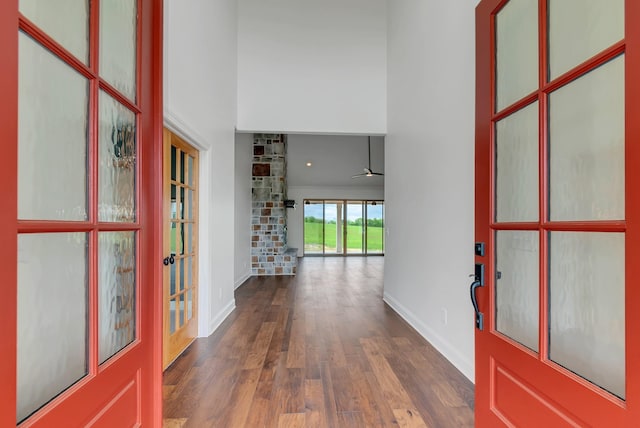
(478, 281)
(169, 260)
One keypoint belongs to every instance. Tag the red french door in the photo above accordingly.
(81, 226)
(558, 209)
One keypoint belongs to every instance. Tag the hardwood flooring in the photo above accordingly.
(317, 350)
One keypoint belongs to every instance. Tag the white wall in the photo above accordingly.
(243, 157)
(200, 104)
(312, 66)
(429, 182)
(295, 217)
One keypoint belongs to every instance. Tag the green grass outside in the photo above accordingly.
(313, 238)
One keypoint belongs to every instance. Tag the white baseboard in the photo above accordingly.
(222, 315)
(461, 362)
(242, 279)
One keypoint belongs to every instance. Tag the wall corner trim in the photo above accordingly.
(222, 315)
(179, 127)
(461, 362)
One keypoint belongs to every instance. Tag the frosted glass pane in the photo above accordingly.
(117, 180)
(517, 286)
(52, 133)
(517, 166)
(66, 21)
(586, 301)
(190, 180)
(118, 44)
(516, 51)
(189, 304)
(117, 291)
(580, 29)
(52, 317)
(586, 131)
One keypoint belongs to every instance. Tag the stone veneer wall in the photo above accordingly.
(269, 252)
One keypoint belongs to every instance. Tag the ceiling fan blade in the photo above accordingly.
(358, 175)
(377, 173)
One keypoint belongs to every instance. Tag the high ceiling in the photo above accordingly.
(334, 159)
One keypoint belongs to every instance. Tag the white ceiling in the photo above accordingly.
(334, 158)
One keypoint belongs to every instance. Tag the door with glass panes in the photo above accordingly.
(180, 301)
(81, 122)
(558, 210)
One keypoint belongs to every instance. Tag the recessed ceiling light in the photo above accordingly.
(309, 164)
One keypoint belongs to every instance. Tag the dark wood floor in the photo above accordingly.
(317, 350)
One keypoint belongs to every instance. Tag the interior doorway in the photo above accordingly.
(180, 289)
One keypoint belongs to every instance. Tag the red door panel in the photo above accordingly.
(516, 385)
(126, 389)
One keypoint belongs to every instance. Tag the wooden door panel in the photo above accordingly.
(180, 326)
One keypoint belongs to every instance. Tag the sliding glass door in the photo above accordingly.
(314, 227)
(375, 227)
(341, 227)
(354, 229)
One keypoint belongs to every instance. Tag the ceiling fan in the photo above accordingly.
(368, 172)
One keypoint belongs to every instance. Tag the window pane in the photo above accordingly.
(117, 291)
(181, 313)
(516, 51)
(172, 316)
(517, 289)
(52, 129)
(313, 214)
(66, 21)
(375, 228)
(586, 127)
(181, 273)
(517, 166)
(587, 306)
(355, 227)
(172, 278)
(117, 181)
(52, 317)
(580, 29)
(118, 44)
(190, 211)
(176, 205)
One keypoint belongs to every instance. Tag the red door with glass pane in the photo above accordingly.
(558, 207)
(80, 222)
